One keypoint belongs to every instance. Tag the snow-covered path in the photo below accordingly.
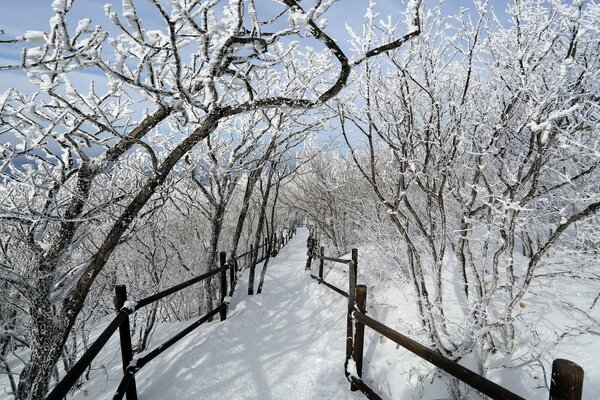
(287, 343)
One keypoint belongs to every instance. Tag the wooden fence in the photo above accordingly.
(566, 378)
(126, 307)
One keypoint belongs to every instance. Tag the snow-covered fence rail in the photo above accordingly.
(126, 307)
(566, 379)
(121, 322)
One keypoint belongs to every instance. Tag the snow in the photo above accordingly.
(59, 5)
(129, 306)
(351, 368)
(36, 37)
(83, 25)
(287, 343)
(129, 12)
(552, 117)
(412, 9)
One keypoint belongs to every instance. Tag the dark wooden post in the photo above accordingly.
(232, 273)
(359, 332)
(352, 268)
(355, 264)
(321, 262)
(567, 380)
(125, 338)
(252, 267)
(223, 286)
(311, 243)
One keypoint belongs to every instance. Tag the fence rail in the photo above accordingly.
(566, 381)
(125, 308)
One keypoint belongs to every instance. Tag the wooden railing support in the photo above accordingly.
(567, 380)
(567, 376)
(359, 333)
(223, 285)
(311, 248)
(321, 262)
(352, 268)
(354, 265)
(127, 387)
(233, 267)
(125, 339)
(252, 268)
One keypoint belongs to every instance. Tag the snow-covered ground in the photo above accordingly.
(287, 343)
(395, 373)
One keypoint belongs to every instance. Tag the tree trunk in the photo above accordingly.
(211, 263)
(266, 263)
(261, 223)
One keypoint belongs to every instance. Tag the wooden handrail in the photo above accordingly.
(467, 376)
(63, 387)
(66, 383)
(329, 258)
(174, 289)
(567, 377)
(329, 285)
(249, 251)
(138, 363)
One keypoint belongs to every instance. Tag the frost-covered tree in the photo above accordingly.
(208, 62)
(481, 142)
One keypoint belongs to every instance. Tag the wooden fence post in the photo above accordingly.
(223, 286)
(567, 380)
(355, 265)
(311, 244)
(352, 268)
(252, 267)
(125, 339)
(321, 262)
(359, 332)
(232, 273)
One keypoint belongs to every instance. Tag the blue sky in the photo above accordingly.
(19, 16)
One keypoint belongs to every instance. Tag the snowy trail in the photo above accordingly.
(287, 343)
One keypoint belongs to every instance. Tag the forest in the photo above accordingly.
(461, 151)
